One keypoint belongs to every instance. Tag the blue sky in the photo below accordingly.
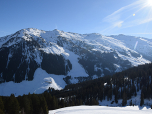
(107, 17)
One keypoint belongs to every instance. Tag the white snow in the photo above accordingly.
(107, 69)
(94, 77)
(55, 49)
(31, 31)
(102, 110)
(118, 68)
(41, 82)
(134, 61)
(38, 57)
(144, 45)
(105, 84)
(9, 57)
(77, 69)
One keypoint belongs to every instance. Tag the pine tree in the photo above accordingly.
(110, 94)
(13, 105)
(35, 103)
(26, 105)
(43, 105)
(124, 100)
(142, 99)
(116, 100)
(94, 102)
(41, 111)
(81, 103)
(62, 103)
(149, 93)
(121, 93)
(1, 104)
(48, 98)
(1, 111)
(131, 103)
(54, 103)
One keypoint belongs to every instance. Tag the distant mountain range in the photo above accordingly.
(66, 57)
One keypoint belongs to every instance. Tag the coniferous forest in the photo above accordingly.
(122, 85)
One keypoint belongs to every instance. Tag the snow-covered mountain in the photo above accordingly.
(66, 57)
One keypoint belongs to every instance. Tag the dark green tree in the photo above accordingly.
(35, 103)
(116, 99)
(13, 105)
(124, 99)
(142, 99)
(54, 103)
(43, 105)
(27, 105)
(130, 103)
(1, 104)
(1, 111)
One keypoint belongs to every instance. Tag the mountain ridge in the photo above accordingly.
(76, 56)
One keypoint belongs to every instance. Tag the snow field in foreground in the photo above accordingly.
(101, 110)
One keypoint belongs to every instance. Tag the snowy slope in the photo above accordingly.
(101, 110)
(41, 82)
(139, 44)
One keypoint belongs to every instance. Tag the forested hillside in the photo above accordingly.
(123, 85)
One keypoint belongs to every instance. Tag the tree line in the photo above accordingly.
(30, 104)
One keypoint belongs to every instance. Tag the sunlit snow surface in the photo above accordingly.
(143, 46)
(77, 69)
(41, 82)
(101, 110)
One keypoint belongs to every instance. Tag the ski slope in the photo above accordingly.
(102, 110)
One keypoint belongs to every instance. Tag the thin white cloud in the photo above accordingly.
(140, 33)
(115, 16)
(118, 24)
(116, 19)
(136, 22)
(145, 21)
